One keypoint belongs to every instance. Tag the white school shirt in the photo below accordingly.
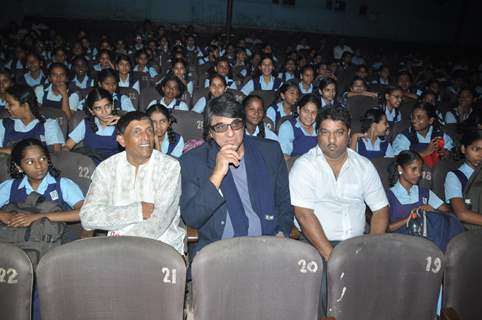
(339, 204)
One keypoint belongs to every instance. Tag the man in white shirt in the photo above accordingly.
(136, 192)
(329, 186)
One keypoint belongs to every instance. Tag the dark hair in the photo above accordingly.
(57, 65)
(307, 67)
(106, 73)
(335, 114)
(222, 106)
(35, 55)
(104, 51)
(431, 113)
(389, 91)
(139, 52)
(470, 136)
(265, 56)
(168, 114)
(171, 77)
(307, 98)
(405, 157)
(82, 58)
(357, 78)
(123, 57)
(211, 78)
(24, 94)
(246, 102)
(95, 95)
(184, 63)
(373, 115)
(18, 154)
(286, 86)
(127, 118)
(325, 82)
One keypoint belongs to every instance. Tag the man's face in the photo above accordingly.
(138, 140)
(232, 136)
(333, 138)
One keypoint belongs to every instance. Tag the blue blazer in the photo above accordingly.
(203, 207)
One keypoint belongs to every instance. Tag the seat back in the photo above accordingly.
(75, 166)
(75, 119)
(439, 172)
(146, 96)
(59, 115)
(268, 96)
(189, 124)
(384, 168)
(4, 167)
(256, 278)
(389, 276)
(16, 283)
(199, 93)
(120, 278)
(463, 276)
(132, 94)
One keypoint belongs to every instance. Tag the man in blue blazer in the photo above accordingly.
(234, 185)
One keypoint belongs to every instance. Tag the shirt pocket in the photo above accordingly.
(352, 192)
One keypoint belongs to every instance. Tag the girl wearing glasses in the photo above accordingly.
(165, 139)
(97, 130)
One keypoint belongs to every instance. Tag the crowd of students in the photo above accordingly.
(415, 101)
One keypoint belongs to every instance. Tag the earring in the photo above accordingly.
(400, 172)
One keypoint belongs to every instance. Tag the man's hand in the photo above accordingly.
(147, 209)
(227, 155)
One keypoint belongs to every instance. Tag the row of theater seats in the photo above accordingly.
(370, 277)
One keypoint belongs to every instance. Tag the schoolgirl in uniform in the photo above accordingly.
(254, 111)
(165, 139)
(60, 56)
(17, 64)
(393, 98)
(327, 92)
(456, 181)
(35, 75)
(217, 87)
(429, 96)
(97, 130)
(383, 76)
(289, 94)
(371, 142)
(425, 135)
(26, 122)
(298, 135)
(180, 70)
(171, 90)
(104, 60)
(32, 170)
(289, 71)
(126, 79)
(406, 196)
(223, 68)
(81, 79)
(306, 79)
(358, 87)
(141, 63)
(404, 81)
(264, 80)
(5, 83)
(464, 108)
(56, 94)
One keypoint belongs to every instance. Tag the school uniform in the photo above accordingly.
(230, 83)
(402, 141)
(276, 112)
(130, 82)
(325, 103)
(393, 116)
(121, 102)
(97, 67)
(14, 130)
(293, 138)
(149, 70)
(103, 141)
(175, 104)
(200, 105)
(259, 84)
(268, 133)
(14, 65)
(31, 82)
(302, 88)
(456, 180)
(173, 149)
(61, 190)
(453, 117)
(441, 227)
(285, 76)
(378, 149)
(47, 98)
(75, 84)
(3, 104)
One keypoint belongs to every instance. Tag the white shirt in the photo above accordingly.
(338, 203)
(113, 201)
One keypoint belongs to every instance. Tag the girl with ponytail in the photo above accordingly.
(165, 139)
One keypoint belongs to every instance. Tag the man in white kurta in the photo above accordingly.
(136, 192)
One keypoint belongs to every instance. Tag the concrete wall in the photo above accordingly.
(432, 21)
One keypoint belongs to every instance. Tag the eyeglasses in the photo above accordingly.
(223, 127)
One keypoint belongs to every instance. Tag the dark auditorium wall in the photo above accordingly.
(436, 21)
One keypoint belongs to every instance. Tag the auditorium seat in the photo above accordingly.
(132, 94)
(381, 277)
(121, 278)
(268, 96)
(147, 96)
(189, 124)
(265, 278)
(439, 172)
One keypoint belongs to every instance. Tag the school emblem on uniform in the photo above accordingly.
(425, 200)
(42, 137)
(269, 217)
(54, 195)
